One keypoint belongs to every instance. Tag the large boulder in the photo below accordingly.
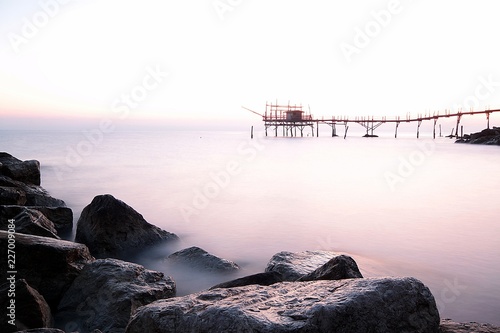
(382, 305)
(107, 292)
(23, 171)
(31, 309)
(62, 217)
(111, 228)
(27, 221)
(195, 257)
(26, 194)
(293, 265)
(338, 268)
(263, 279)
(48, 265)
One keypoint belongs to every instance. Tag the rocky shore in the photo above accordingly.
(485, 137)
(59, 286)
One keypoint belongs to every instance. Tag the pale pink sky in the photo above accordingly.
(179, 63)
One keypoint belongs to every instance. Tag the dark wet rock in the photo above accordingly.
(107, 292)
(34, 195)
(12, 196)
(382, 305)
(31, 309)
(198, 258)
(60, 219)
(111, 228)
(293, 265)
(42, 330)
(262, 279)
(27, 221)
(24, 171)
(48, 265)
(486, 137)
(448, 326)
(338, 268)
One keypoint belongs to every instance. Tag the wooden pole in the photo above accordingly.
(251, 133)
(396, 134)
(345, 133)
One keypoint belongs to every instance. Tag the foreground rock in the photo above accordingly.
(107, 292)
(47, 264)
(27, 221)
(31, 309)
(485, 137)
(23, 171)
(111, 228)
(195, 257)
(338, 268)
(293, 265)
(13, 192)
(356, 305)
(448, 326)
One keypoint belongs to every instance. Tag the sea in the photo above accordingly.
(427, 208)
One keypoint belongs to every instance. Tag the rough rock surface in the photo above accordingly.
(26, 194)
(62, 217)
(338, 268)
(263, 279)
(196, 257)
(42, 330)
(107, 292)
(111, 228)
(31, 309)
(48, 265)
(293, 265)
(27, 221)
(448, 326)
(23, 171)
(354, 305)
(485, 137)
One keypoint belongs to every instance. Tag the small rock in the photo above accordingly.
(448, 326)
(24, 171)
(294, 265)
(196, 257)
(338, 268)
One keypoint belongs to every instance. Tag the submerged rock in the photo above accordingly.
(107, 292)
(111, 228)
(198, 258)
(338, 268)
(48, 265)
(293, 265)
(382, 305)
(31, 309)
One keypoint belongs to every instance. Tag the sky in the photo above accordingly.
(182, 64)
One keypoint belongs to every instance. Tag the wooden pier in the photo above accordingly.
(290, 118)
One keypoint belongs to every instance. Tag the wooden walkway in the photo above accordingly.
(291, 118)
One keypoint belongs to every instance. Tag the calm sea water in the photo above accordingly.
(401, 207)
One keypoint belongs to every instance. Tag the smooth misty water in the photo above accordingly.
(405, 207)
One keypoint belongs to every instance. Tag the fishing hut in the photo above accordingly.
(289, 118)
